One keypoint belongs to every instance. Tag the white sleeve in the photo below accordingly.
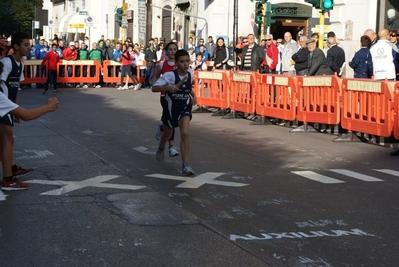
(168, 78)
(6, 105)
(7, 68)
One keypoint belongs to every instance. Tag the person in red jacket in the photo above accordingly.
(271, 59)
(70, 53)
(53, 58)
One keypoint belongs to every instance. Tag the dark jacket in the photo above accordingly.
(362, 63)
(319, 65)
(301, 59)
(335, 58)
(149, 56)
(257, 57)
(221, 56)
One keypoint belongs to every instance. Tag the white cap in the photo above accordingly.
(391, 13)
(72, 43)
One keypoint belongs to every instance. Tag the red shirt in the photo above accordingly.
(271, 58)
(52, 58)
(126, 58)
(69, 54)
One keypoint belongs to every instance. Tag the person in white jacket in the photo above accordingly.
(290, 48)
(383, 57)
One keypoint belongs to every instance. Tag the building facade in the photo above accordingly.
(180, 19)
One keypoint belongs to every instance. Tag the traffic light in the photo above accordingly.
(259, 11)
(271, 13)
(119, 14)
(327, 5)
(315, 3)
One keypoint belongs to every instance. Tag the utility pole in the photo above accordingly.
(235, 30)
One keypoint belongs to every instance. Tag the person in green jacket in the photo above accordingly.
(95, 54)
(83, 54)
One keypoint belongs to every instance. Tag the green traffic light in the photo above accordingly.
(258, 20)
(327, 4)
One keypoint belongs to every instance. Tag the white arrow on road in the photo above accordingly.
(198, 181)
(68, 186)
(143, 150)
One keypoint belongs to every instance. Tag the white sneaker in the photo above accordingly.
(98, 86)
(187, 170)
(120, 88)
(77, 86)
(173, 152)
(132, 86)
(85, 86)
(138, 86)
(125, 87)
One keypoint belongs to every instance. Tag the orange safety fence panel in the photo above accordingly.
(141, 65)
(318, 99)
(276, 96)
(33, 73)
(396, 110)
(212, 88)
(80, 71)
(111, 71)
(242, 87)
(367, 107)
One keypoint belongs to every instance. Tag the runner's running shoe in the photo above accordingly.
(13, 185)
(173, 152)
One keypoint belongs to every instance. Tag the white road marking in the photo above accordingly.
(143, 150)
(387, 171)
(38, 154)
(88, 132)
(198, 181)
(68, 186)
(318, 177)
(356, 175)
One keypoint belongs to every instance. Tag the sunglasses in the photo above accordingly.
(268, 40)
(245, 42)
(393, 35)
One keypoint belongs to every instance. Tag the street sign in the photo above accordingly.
(36, 24)
(89, 19)
(50, 22)
(79, 26)
(83, 13)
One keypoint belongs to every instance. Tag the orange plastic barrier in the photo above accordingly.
(396, 111)
(242, 88)
(32, 69)
(89, 71)
(141, 64)
(367, 107)
(318, 99)
(276, 96)
(212, 88)
(116, 67)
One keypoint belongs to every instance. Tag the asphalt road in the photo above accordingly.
(262, 196)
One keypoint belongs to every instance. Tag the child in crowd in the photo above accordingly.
(192, 54)
(198, 63)
(53, 58)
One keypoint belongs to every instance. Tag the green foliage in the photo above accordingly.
(17, 15)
